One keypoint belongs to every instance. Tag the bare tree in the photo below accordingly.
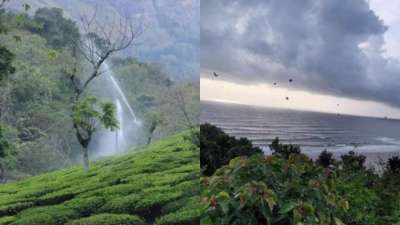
(97, 43)
(189, 122)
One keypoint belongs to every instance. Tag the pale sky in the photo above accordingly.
(244, 78)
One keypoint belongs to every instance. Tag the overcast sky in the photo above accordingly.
(343, 52)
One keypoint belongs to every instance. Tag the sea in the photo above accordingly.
(377, 138)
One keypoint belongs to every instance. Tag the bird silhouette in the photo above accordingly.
(274, 83)
(290, 80)
(287, 98)
(215, 74)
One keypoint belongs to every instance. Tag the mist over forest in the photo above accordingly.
(37, 95)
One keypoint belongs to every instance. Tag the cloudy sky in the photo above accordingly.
(343, 55)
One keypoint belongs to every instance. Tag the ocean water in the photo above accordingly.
(378, 138)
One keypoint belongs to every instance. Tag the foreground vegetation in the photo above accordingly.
(157, 184)
(290, 188)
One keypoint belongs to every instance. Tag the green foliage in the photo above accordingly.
(7, 220)
(353, 161)
(86, 206)
(6, 67)
(272, 190)
(87, 113)
(217, 148)
(57, 30)
(393, 164)
(35, 106)
(4, 144)
(326, 159)
(50, 215)
(289, 188)
(109, 219)
(141, 183)
(282, 150)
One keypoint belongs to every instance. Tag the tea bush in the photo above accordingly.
(139, 183)
(109, 219)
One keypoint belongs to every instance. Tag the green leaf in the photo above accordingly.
(338, 221)
(288, 207)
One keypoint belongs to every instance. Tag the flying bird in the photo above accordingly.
(274, 83)
(215, 74)
(287, 98)
(290, 80)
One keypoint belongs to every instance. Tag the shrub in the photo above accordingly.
(7, 220)
(271, 190)
(325, 159)
(143, 204)
(353, 161)
(109, 219)
(218, 148)
(54, 198)
(49, 215)
(393, 165)
(185, 217)
(86, 206)
(14, 208)
(282, 150)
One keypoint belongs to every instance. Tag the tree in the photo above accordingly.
(97, 44)
(325, 159)
(353, 161)
(393, 165)
(57, 30)
(152, 121)
(218, 148)
(4, 148)
(284, 150)
(88, 115)
(6, 56)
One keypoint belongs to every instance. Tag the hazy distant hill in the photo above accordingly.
(172, 37)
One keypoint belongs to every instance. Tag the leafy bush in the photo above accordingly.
(109, 219)
(325, 159)
(272, 190)
(284, 150)
(353, 161)
(7, 220)
(288, 188)
(185, 217)
(393, 164)
(12, 209)
(218, 148)
(86, 206)
(115, 185)
(49, 215)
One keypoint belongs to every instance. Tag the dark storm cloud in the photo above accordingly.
(327, 46)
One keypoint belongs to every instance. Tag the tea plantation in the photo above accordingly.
(157, 184)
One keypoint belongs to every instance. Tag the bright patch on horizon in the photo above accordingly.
(274, 96)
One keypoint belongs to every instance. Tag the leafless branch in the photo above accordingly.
(101, 40)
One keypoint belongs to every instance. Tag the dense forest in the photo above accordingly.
(38, 55)
(172, 29)
(243, 186)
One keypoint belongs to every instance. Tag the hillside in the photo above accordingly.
(172, 34)
(158, 181)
